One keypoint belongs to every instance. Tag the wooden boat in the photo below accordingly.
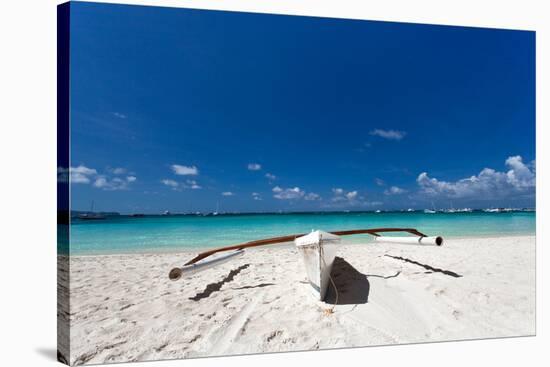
(318, 250)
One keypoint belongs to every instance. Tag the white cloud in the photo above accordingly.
(488, 184)
(293, 193)
(379, 182)
(227, 193)
(520, 175)
(86, 175)
(364, 147)
(178, 186)
(389, 134)
(254, 166)
(256, 196)
(119, 171)
(185, 170)
(84, 170)
(337, 191)
(311, 196)
(120, 115)
(342, 199)
(101, 182)
(77, 178)
(62, 174)
(105, 183)
(351, 195)
(288, 194)
(192, 184)
(394, 190)
(82, 174)
(170, 183)
(340, 196)
(270, 176)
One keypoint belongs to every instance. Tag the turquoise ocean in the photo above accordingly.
(126, 234)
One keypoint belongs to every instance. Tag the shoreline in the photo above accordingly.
(124, 307)
(113, 214)
(344, 243)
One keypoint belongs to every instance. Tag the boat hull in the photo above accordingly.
(204, 264)
(427, 241)
(318, 259)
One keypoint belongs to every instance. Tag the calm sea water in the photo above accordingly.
(122, 234)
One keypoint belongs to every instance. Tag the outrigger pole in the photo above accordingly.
(196, 264)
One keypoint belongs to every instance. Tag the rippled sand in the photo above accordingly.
(124, 307)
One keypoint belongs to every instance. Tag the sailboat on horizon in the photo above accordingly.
(430, 211)
(91, 215)
(216, 212)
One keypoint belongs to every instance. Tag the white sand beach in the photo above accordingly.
(124, 307)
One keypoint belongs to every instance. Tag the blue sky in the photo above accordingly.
(177, 109)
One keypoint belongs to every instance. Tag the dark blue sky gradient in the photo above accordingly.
(153, 86)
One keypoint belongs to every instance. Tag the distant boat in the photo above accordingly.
(378, 211)
(166, 212)
(410, 210)
(91, 215)
(430, 211)
(213, 214)
(450, 210)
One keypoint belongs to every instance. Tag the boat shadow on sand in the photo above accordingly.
(217, 286)
(352, 285)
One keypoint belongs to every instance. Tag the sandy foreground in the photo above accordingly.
(124, 307)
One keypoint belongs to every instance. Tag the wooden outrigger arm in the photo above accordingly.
(176, 273)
